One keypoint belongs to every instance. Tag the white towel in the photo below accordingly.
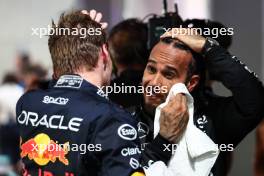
(196, 153)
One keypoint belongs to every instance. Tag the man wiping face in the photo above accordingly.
(170, 62)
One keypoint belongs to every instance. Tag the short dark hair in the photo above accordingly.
(70, 52)
(36, 70)
(196, 66)
(10, 78)
(128, 42)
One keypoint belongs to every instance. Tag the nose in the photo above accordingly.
(156, 80)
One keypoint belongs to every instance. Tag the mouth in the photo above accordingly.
(155, 98)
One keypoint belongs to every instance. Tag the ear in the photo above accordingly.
(105, 51)
(193, 82)
(105, 55)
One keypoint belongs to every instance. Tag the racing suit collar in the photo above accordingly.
(76, 82)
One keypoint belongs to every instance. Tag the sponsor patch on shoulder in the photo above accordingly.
(127, 132)
(70, 81)
(55, 100)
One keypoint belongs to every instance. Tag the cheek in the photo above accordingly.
(146, 78)
(110, 63)
(168, 85)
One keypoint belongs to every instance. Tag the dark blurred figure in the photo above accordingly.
(10, 92)
(128, 49)
(34, 77)
(22, 62)
(225, 41)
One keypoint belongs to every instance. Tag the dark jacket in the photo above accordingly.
(72, 129)
(126, 78)
(226, 120)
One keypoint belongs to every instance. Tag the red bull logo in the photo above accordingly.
(42, 172)
(42, 150)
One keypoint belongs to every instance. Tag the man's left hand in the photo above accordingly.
(96, 16)
(188, 36)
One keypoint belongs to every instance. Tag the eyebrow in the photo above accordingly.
(151, 60)
(172, 69)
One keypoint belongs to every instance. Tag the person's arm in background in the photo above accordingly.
(234, 116)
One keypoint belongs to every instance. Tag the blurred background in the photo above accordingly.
(25, 59)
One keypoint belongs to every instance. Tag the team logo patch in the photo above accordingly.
(41, 149)
(70, 81)
(143, 130)
(134, 163)
(127, 132)
(130, 151)
(53, 100)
